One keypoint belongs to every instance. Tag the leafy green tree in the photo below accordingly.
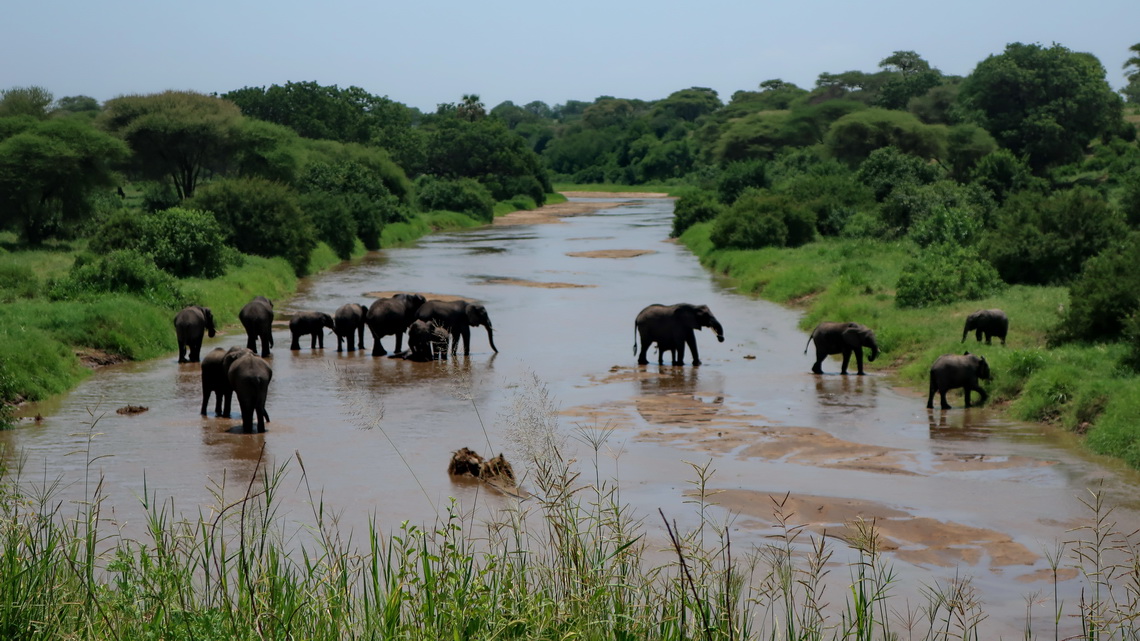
(267, 150)
(690, 104)
(182, 242)
(1131, 91)
(1044, 239)
(463, 195)
(333, 221)
(260, 217)
(1132, 65)
(1044, 103)
(966, 144)
(180, 136)
(470, 108)
(739, 176)
(25, 101)
(121, 271)
(939, 105)
(853, 137)
(888, 168)
(49, 172)
(316, 111)
(911, 77)
(831, 197)
(910, 204)
(1003, 173)
(487, 151)
(77, 104)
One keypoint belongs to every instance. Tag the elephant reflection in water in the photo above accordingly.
(671, 396)
(956, 427)
(846, 391)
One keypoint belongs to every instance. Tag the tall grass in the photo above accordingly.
(571, 562)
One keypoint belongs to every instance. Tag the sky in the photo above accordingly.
(425, 53)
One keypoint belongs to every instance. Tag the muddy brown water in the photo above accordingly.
(958, 493)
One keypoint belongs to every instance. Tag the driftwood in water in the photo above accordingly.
(132, 409)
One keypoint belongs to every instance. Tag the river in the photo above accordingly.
(957, 493)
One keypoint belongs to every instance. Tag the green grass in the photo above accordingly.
(1082, 388)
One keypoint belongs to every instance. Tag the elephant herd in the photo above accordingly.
(432, 324)
(949, 371)
(244, 372)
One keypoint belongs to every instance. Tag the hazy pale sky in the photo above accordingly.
(425, 53)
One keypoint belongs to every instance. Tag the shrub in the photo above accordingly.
(186, 243)
(124, 271)
(945, 274)
(886, 169)
(1043, 239)
(762, 219)
(464, 195)
(832, 198)
(694, 207)
(1105, 297)
(335, 225)
(738, 176)
(952, 225)
(260, 217)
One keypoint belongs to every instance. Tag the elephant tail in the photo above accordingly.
(635, 339)
(810, 337)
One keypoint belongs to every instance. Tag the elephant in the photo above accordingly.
(950, 371)
(842, 338)
(189, 325)
(313, 324)
(349, 320)
(427, 341)
(671, 327)
(990, 322)
(391, 315)
(249, 377)
(215, 380)
(458, 316)
(257, 318)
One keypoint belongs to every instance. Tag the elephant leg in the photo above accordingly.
(206, 400)
(661, 355)
(820, 356)
(692, 340)
(945, 405)
(930, 398)
(859, 360)
(350, 341)
(679, 353)
(378, 349)
(978, 335)
(466, 341)
(846, 362)
(182, 353)
(966, 391)
(266, 343)
(195, 351)
(400, 341)
(296, 344)
(251, 342)
(229, 399)
(315, 339)
(641, 359)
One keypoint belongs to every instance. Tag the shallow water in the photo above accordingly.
(960, 493)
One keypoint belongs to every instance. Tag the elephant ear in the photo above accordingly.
(854, 335)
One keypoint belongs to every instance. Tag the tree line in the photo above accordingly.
(1026, 170)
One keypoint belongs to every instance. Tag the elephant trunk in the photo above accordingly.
(965, 330)
(874, 352)
(715, 326)
(491, 338)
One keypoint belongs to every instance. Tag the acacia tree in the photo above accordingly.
(1044, 103)
(182, 136)
(25, 101)
(48, 172)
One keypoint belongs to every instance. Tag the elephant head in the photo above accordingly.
(209, 316)
(860, 336)
(701, 316)
(477, 315)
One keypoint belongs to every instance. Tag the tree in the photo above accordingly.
(1044, 103)
(690, 104)
(77, 104)
(48, 173)
(27, 101)
(488, 152)
(471, 108)
(1132, 65)
(853, 137)
(1105, 294)
(177, 135)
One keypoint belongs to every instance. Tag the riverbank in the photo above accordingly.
(1079, 388)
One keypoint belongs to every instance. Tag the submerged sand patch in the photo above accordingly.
(914, 539)
(611, 253)
(426, 295)
(520, 282)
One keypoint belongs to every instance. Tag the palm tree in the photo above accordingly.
(1133, 62)
(471, 108)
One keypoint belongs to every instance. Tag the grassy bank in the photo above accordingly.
(1082, 388)
(47, 347)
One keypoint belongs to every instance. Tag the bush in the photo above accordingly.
(1042, 239)
(945, 274)
(121, 271)
(260, 217)
(694, 207)
(738, 176)
(761, 219)
(1105, 296)
(334, 223)
(886, 169)
(464, 195)
(186, 243)
(947, 225)
(832, 198)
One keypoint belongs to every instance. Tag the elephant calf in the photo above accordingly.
(190, 325)
(988, 322)
(842, 338)
(951, 371)
(349, 322)
(313, 324)
(427, 341)
(215, 381)
(249, 376)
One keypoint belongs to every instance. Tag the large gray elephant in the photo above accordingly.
(190, 325)
(249, 377)
(257, 318)
(842, 338)
(672, 327)
(458, 316)
(951, 371)
(216, 381)
(391, 316)
(312, 324)
(349, 320)
(988, 322)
